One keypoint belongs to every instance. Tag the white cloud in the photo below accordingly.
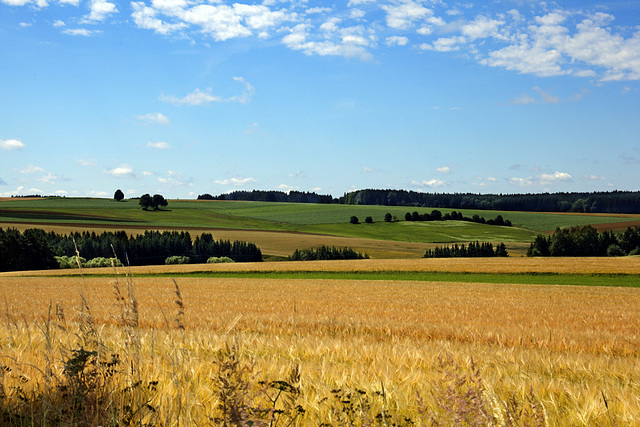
(402, 14)
(350, 42)
(542, 179)
(145, 17)
(58, 23)
(153, 118)
(287, 188)
(397, 41)
(237, 182)
(99, 11)
(159, 145)
(122, 171)
(482, 27)
(198, 97)
(220, 21)
(444, 44)
(11, 144)
(433, 183)
(444, 169)
(16, 2)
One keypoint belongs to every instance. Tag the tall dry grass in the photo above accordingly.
(287, 352)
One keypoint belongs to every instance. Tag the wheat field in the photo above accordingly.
(402, 353)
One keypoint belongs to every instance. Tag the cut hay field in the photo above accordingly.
(368, 352)
(280, 228)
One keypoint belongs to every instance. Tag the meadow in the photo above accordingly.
(280, 228)
(137, 347)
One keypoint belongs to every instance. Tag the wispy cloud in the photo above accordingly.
(432, 183)
(31, 169)
(444, 169)
(237, 182)
(82, 32)
(541, 180)
(159, 145)
(199, 97)
(154, 118)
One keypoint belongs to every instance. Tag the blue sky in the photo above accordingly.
(185, 97)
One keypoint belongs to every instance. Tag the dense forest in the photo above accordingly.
(605, 202)
(37, 250)
(597, 202)
(586, 241)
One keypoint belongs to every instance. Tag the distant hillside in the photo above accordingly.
(596, 202)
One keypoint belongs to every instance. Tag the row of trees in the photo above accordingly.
(473, 250)
(326, 253)
(586, 241)
(152, 247)
(610, 202)
(37, 250)
(272, 196)
(436, 215)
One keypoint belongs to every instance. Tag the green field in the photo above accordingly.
(288, 217)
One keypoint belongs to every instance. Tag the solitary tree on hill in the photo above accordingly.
(119, 195)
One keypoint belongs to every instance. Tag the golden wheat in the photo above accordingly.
(576, 348)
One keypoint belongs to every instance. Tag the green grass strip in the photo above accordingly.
(623, 280)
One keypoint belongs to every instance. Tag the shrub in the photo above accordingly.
(102, 262)
(615, 250)
(354, 220)
(219, 259)
(368, 220)
(177, 259)
(70, 261)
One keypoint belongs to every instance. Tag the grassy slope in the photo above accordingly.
(311, 218)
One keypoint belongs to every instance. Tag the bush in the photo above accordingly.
(354, 220)
(102, 262)
(219, 259)
(368, 220)
(70, 261)
(177, 259)
(615, 250)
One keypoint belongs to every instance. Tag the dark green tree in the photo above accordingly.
(159, 201)
(146, 201)
(368, 220)
(387, 217)
(354, 220)
(118, 195)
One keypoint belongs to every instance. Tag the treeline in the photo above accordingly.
(473, 250)
(152, 247)
(586, 241)
(25, 251)
(326, 253)
(436, 215)
(605, 202)
(272, 196)
(37, 250)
